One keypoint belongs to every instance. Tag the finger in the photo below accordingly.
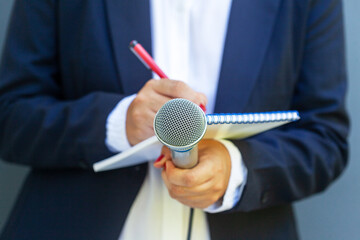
(150, 131)
(187, 192)
(164, 156)
(203, 98)
(174, 191)
(200, 174)
(201, 202)
(165, 179)
(138, 113)
(178, 89)
(160, 161)
(141, 123)
(166, 151)
(155, 101)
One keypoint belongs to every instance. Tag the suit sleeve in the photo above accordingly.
(303, 158)
(39, 127)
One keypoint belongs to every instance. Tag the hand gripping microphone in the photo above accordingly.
(180, 125)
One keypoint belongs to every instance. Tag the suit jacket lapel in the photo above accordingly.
(129, 20)
(249, 30)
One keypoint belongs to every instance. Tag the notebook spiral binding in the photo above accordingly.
(247, 118)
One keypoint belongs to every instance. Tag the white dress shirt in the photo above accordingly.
(188, 38)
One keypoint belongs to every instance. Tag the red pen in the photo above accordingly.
(149, 62)
(145, 58)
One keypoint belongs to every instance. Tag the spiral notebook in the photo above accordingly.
(219, 126)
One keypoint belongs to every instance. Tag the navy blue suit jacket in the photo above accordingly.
(66, 64)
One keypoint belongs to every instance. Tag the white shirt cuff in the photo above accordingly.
(116, 139)
(237, 181)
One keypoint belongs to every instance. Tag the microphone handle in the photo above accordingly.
(186, 159)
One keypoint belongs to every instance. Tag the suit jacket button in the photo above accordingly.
(265, 197)
(83, 165)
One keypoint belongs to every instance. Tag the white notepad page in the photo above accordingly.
(219, 126)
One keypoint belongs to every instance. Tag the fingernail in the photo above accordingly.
(159, 158)
(203, 107)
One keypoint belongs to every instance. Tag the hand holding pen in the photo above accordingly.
(153, 95)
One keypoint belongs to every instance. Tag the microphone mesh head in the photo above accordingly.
(180, 122)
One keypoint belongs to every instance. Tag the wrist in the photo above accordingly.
(116, 137)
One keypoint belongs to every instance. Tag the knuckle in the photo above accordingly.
(213, 199)
(202, 98)
(138, 132)
(189, 179)
(177, 191)
(172, 195)
(137, 115)
(204, 205)
(217, 170)
(172, 192)
(150, 83)
(218, 187)
(140, 98)
(178, 86)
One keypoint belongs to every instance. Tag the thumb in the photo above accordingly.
(164, 156)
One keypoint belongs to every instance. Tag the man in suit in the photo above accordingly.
(66, 68)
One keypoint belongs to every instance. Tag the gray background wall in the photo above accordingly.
(335, 214)
(11, 176)
(332, 215)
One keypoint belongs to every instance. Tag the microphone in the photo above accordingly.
(180, 125)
